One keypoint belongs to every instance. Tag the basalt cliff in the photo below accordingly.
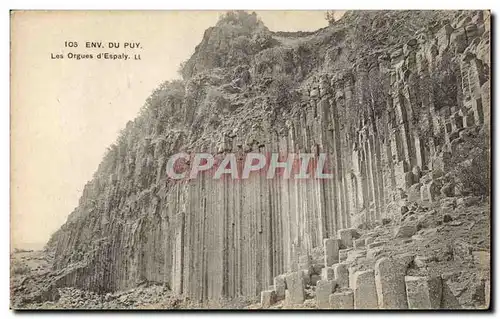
(399, 100)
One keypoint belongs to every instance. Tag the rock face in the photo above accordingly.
(388, 103)
(365, 294)
(390, 284)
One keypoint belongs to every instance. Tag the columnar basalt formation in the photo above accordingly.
(389, 116)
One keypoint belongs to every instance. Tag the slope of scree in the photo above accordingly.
(399, 100)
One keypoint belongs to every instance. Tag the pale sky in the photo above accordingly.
(65, 113)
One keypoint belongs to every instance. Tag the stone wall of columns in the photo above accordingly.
(383, 123)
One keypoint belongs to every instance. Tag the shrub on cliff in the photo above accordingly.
(247, 21)
(445, 86)
(281, 90)
(438, 83)
(471, 162)
(274, 61)
(330, 16)
(19, 268)
(210, 110)
(235, 39)
(168, 91)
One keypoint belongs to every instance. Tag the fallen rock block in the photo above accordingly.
(280, 287)
(294, 294)
(267, 298)
(345, 236)
(331, 247)
(365, 292)
(342, 300)
(414, 190)
(405, 231)
(390, 283)
(376, 244)
(478, 293)
(423, 292)
(324, 289)
(451, 290)
(341, 274)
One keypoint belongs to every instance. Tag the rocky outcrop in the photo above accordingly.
(390, 107)
(406, 273)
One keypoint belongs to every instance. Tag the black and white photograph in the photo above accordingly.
(251, 160)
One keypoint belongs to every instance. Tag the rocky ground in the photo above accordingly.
(30, 271)
(449, 237)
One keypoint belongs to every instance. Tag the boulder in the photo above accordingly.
(267, 298)
(342, 300)
(331, 249)
(365, 292)
(376, 244)
(405, 231)
(390, 283)
(324, 289)
(341, 274)
(280, 287)
(423, 292)
(448, 190)
(345, 236)
(295, 293)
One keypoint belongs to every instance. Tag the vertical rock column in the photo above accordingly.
(340, 188)
(390, 284)
(331, 248)
(280, 287)
(324, 288)
(294, 294)
(423, 292)
(342, 300)
(341, 275)
(365, 293)
(178, 265)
